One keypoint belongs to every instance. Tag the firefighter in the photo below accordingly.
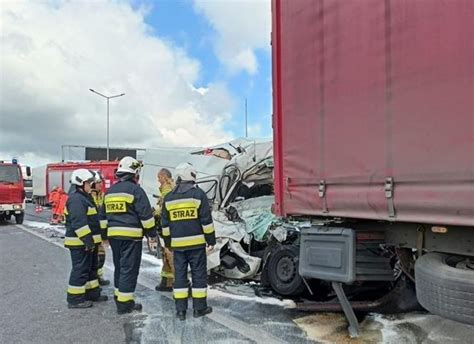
(167, 271)
(82, 238)
(53, 200)
(129, 217)
(187, 230)
(98, 197)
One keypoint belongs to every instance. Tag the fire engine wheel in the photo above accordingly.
(283, 271)
(445, 286)
(19, 218)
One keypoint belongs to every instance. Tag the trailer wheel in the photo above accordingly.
(282, 271)
(19, 218)
(445, 286)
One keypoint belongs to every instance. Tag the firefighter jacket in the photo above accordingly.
(186, 218)
(128, 211)
(83, 221)
(98, 198)
(164, 190)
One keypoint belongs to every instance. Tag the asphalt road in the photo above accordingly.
(34, 269)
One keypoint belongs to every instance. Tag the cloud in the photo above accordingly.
(242, 27)
(52, 54)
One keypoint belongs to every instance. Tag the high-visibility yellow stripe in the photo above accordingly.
(65, 211)
(97, 238)
(92, 284)
(124, 297)
(83, 231)
(103, 224)
(119, 197)
(125, 232)
(148, 224)
(199, 293)
(188, 241)
(180, 293)
(73, 241)
(208, 229)
(100, 272)
(166, 274)
(182, 203)
(73, 290)
(166, 231)
(91, 211)
(116, 292)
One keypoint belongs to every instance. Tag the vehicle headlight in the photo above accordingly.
(16, 206)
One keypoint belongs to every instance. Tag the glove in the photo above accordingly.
(153, 242)
(209, 249)
(89, 242)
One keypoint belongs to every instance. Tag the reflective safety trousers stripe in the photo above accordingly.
(180, 293)
(199, 293)
(92, 284)
(124, 297)
(74, 290)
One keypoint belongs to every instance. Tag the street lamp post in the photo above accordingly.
(108, 98)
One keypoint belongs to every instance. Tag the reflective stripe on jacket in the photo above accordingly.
(128, 211)
(186, 218)
(82, 220)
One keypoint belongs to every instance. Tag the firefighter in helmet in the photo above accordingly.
(129, 218)
(167, 185)
(98, 197)
(83, 235)
(187, 230)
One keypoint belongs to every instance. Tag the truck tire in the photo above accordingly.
(445, 287)
(282, 271)
(19, 218)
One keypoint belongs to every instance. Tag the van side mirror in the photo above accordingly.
(28, 171)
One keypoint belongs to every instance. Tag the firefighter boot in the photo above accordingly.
(164, 285)
(129, 309)
(101, 298)
(103, 282)
(84, 304)
(181, 315)
(202, 312)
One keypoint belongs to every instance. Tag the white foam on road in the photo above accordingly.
(45, 226)
(215, 293)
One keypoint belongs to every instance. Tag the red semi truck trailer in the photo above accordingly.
(374, 143)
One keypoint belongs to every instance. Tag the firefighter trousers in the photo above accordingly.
(127, 256)
(83, 282)
(197, 260)
(167, 270)
(100, 260)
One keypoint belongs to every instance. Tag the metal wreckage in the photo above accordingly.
(253, 244)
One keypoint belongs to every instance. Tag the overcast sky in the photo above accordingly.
(185, 66)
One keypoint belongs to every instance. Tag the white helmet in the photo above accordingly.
(82, 175)
(98, 177)
(129, 165)
(186, 172)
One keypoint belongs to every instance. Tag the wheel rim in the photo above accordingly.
(461, 263)
(286, 269)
